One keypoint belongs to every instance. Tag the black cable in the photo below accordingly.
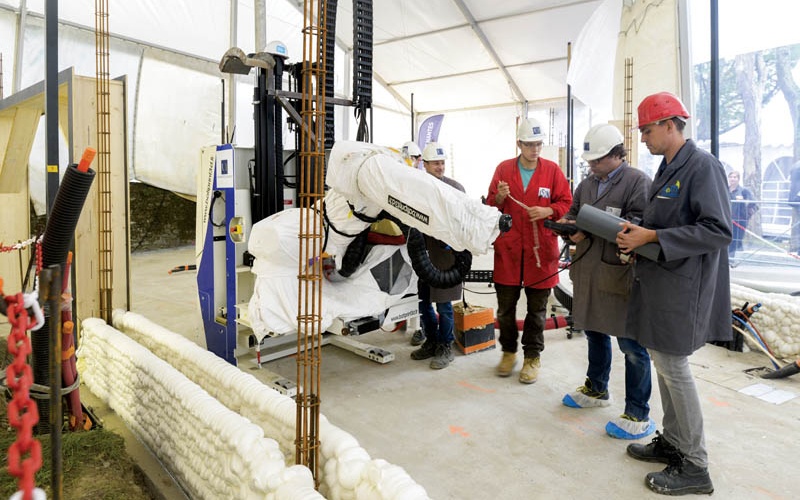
(362, 132)
(591, 242)
(217, 194)
(479, 293)
(30, 264)
(251, 176)
(576, 259)
(291, 185)
(333, 227)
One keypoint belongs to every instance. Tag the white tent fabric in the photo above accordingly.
(485, 62)
(366, 179)
(648, 34)
(591, 70)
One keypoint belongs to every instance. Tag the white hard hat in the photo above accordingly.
(411, 149)
(600, 140)
(433, 152)
(530, 130)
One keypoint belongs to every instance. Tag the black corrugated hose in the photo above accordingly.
(58, 235)
(430, 274)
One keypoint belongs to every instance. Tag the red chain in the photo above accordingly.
(17, 246)
(22, 412)
(39, 264)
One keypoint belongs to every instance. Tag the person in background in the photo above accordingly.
(741, 210)
(412, 154)
(601, 282)
(529, 189)
(682, 300)
(438, 340)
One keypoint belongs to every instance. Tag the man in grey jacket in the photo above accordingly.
(438, 329)
(601, 283)
(682, 300)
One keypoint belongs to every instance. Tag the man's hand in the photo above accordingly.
(632, 237)
(537, 213)
(502, 192)
(578, 236)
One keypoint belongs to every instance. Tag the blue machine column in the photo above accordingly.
(227, 227)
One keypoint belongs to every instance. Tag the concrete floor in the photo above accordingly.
(464, 433)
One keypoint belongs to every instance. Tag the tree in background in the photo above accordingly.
(747, 83)
(731, 109)
(752, 80)
(786, 60)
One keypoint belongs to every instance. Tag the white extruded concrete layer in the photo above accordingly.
(776, 320)
(214, 452)
(346, 469)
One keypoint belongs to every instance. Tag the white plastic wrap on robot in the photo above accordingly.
(371, 178)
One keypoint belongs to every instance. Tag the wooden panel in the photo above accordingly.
(87, 237)
(14, 227)
(87, 283)
(13, 172)
(6, 123)
(77, 116)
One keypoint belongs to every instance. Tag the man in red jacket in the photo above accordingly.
(529, 189)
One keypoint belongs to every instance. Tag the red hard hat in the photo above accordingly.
(659, 107)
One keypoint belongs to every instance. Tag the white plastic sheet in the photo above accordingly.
(368, 179)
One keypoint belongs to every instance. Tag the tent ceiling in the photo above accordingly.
(461, 54)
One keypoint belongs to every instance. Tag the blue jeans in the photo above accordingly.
(437, 330)
(638, 384)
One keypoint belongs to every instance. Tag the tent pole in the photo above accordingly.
(714, 78)
(413, 125)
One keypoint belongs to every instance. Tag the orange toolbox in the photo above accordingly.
(474, 327)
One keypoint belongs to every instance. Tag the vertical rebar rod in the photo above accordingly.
(51, 277)
(310, 236)
(103, 165)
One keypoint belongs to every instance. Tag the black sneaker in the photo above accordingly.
(427, 350)
(680, 478)
(418, 338)
(443, 356)
(659, 450)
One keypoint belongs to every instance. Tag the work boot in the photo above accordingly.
(586, 397)
(507, 364)
(530, 370)
(681, 477)
(418, 338)
(443, 356)
(427, 350)
(659, 450)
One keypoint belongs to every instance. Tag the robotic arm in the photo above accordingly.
(365, 180)
(372, 177)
